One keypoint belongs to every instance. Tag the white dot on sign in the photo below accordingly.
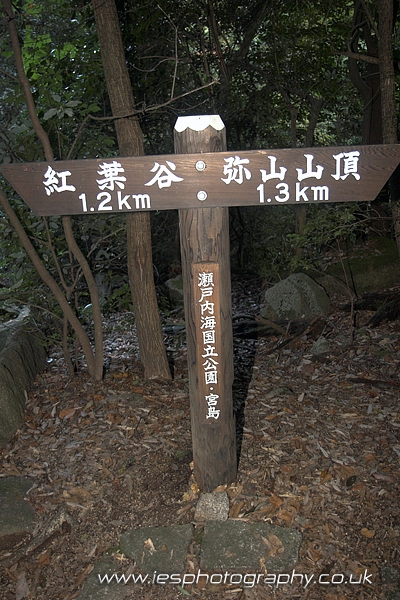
(92, 209)
(200, 165)
(201, 195)
(211, 389)
(269, 200)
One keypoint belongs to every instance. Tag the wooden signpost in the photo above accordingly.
(202, 180)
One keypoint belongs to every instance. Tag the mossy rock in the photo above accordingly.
(175, 290)
(294, 297)
(375, 266)
(22, 356)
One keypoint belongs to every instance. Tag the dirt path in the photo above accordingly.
(320, 452)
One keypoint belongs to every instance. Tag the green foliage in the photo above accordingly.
(267, 74)
(120, 299)
(329, 228)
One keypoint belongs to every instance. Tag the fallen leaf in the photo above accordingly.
(287, 469)
(44, 559)
(21, 589)
(67, 412)
(235, 509)
(148, 545)
(384, 477)
(276, 501)
(285, 515)
(220, 488)
(325, 476)
(275, 540)
(368, 533)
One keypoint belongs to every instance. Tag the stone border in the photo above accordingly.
(22, 357)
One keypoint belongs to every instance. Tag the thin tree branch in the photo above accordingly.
(260, 14)
(143, 111)
(215, 36)
(175, 48)
(30, 103)
(93, 364)
(9, 74)
(49, 280)
(94, 296)
(369, 59)
(370, 19)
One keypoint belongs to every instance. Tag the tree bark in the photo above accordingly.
(130, 142)
(94, 297)
(301, 209)
(95, 364)
(50, 282)
(368, 86)
(204, 234)
(386, 70)
(389, 119)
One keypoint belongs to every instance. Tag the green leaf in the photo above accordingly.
(50, 113)
(93, 108)
(181, 589)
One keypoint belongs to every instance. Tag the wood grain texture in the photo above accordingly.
(204, 234)
(222, 185)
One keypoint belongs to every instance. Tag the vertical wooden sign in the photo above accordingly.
(207, 312)
(204, 235)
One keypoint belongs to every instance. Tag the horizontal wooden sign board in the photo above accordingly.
(257, 177)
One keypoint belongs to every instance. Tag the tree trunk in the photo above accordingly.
(368, 86)
(95, 364)
(301, 209)
(130, 142)
(50, 282)
(388, 99)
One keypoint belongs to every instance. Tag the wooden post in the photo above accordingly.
(204, 235)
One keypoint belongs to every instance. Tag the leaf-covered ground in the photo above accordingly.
(320, 452)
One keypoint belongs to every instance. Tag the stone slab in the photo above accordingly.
(237, 545)
(17, 518)
(94, 590)
(212, 507)
(161, 549)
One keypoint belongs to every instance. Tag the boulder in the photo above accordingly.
(294, 297)
(370, 267)
(17, 518)
(22, 356)
(175, 290)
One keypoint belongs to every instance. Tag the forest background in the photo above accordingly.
(110, 78)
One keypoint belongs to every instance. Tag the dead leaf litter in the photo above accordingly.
(319, 439)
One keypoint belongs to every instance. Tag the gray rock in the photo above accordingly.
(296, 296)
(17, 518)
(161, 549)
(22, 356)
(212, 507)
(391, 577)
(321, 345)
(175, 290)
(254, 546)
